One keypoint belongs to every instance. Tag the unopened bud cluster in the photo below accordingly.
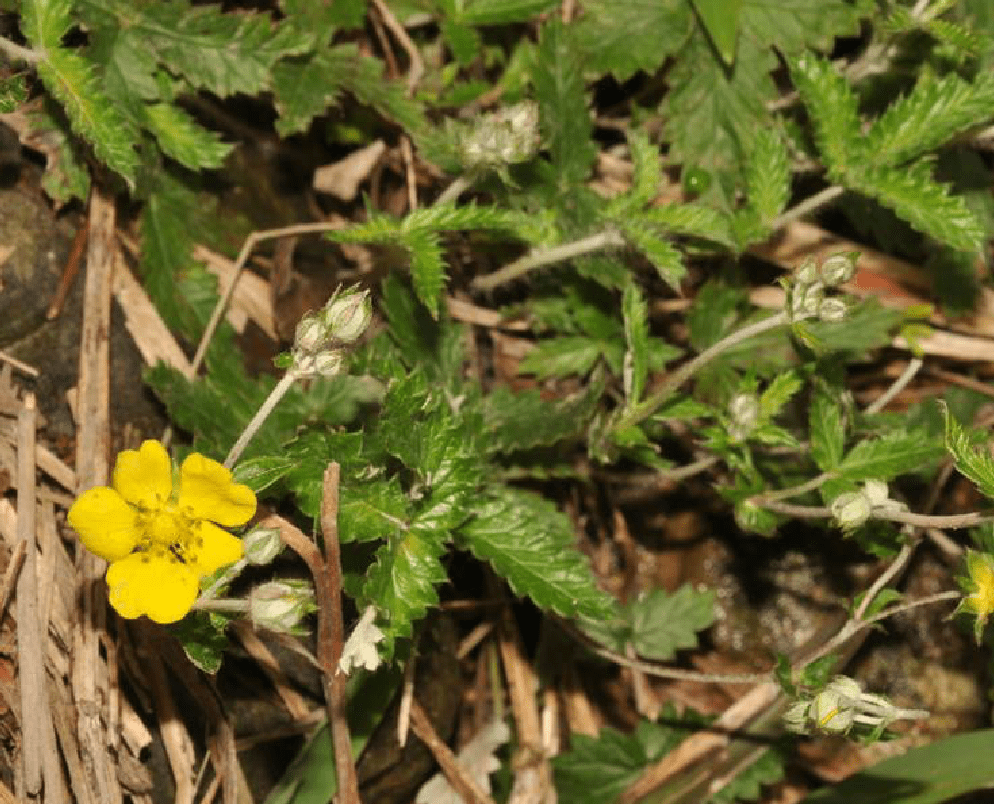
(840, 706)
(852, 509)
(319, 337)
(807, 296)
(506, 137)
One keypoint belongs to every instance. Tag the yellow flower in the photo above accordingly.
(980, 588)
(160, 541)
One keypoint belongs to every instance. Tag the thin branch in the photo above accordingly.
(807, 206)
(673, 381)
(953, 522)
(897, 386)
(16, 52)
(331, 638)
(536, 258)
(261, 415)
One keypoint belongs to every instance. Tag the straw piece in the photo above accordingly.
(30, 655)
(92, 455)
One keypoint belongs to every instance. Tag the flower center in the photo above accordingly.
(168, 534)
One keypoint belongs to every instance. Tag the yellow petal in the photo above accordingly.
(106, 524)
(217, 548)
(159, 588)
(144, 477)
(207, 492)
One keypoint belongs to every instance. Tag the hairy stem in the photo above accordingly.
(536, 258)
(261, 415)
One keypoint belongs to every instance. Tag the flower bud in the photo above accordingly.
(796, 717)
(281, 605)
(347, 315)
(832, 310)
(838, 268)
(744, 413)
(262, 545)
(876, 493)
(851, 510)
(328, 364)
(311, 334)
(506, 137)
(808, 272)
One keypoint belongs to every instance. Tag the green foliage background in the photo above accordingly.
(764, 111)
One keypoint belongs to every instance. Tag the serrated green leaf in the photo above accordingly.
(306, 88)
(679, 408)
(975, 464)
(635, 311)
(532, 546)
(403, 579)
(646, 177)
(523, 421)
(721, 20)
(45, 22)
(561, 357)
(924, 203)
(464, 41)
(664, 623)
(224, 52)
(183, 139)
(868, 325)
(778, 393)
(713, 313)
(694, 220)
(66, 175)
(72, 81)
(936, 110)
(831, 104)
(826, 430)
(890, 455)
(262, 472)
(501, 12)
(371, 510)
(427, 268)
(768, 176)
(622, 37)
(557, 77)
(419, 428)
(203, 638)
(182, 290)
(665, 258)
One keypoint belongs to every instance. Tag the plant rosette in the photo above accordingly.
(161, 538)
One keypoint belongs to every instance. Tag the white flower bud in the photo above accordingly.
(832, 310)
(851, 510)
(506, 137)
(281, 605)
(876, 492)
(807, 273)
(311, 334)
(328, 364)
(743, 410)
(838, 268)
(796, 717)
(347, 315)
(262, 545)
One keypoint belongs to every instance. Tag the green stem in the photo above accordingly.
(953, 522)
(668, 386)
(16, 52)
(536, 258)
